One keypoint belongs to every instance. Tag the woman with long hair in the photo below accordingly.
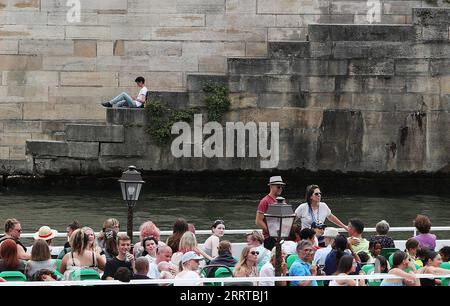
(110, 223)
(80, 256)
(315, 211)
(211, 244)
(150, 245)
(347, 265)
(92, 244)
(400, 263)
(246, 266)
(10, 260)
(188, 243)
(147, 229)
(179, 228)
(432, 261)
(40, 259)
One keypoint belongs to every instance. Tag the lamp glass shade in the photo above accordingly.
(131, 184)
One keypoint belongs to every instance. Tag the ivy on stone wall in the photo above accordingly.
(217, 100)
(160, 119)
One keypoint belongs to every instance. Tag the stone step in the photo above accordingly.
(360, 32)
(286, 50)
(50, 149)
(171, 99)
(94, 133)
(196, 82)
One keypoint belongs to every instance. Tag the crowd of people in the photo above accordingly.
(312, 248)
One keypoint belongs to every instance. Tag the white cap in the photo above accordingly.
(191, 255)
(330, 232)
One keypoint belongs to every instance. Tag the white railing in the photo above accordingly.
(221, 280)
(245, 231)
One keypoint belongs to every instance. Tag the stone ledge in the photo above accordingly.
(94, 133)
(431, 16)
(82, 150)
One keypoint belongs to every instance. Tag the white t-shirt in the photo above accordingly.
(267, 271)
(321, 255)
(289, 247)
(153, 271)
(187, 275)
(320, 215)
(142, 94)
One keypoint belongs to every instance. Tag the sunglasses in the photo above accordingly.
(254, 252)
(317, 193)
(308, 250)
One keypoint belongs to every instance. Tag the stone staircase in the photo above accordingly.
(343, 99)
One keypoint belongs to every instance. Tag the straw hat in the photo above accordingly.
(45, 233)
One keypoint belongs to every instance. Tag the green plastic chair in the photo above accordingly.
(58, 263)
(84, 274)
(13, 276)
(290, 260)
(445, 282)
(386, 252)
(223, 272)
(368, 269)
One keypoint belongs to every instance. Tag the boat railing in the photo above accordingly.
(245, 231)
(223, 280)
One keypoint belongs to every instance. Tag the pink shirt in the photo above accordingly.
(263, 206)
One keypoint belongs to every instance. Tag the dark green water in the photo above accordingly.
(92, 207)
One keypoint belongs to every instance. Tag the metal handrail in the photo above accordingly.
(220, 280)
(245, 231)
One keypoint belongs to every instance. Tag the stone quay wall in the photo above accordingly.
(55, 72)
(354, 99)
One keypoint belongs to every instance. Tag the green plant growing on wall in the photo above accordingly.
(160, 119)
(217, 100)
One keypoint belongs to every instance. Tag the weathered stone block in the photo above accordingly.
(400, 7)
(47, 148)
(22, 126)
(46, 47)
(59, 166)
(11, 111)
(445, 85)
(431, 16)
(9, 46)
(94, 133)
(34, 31)
(152, 6)
(292, 7)
(338, 67)
(309, 67)
(156, 81)
(201, 6)
(119, 48)
(63, 63)
(85, 48)
(439, 67)
(212, 64)
(283, 50)
(60, 18)
(20, 62)
(257, 66)
(294, 21)
(371, 67)
(88, 32)
(122, 150)
(256, 49)
(348, 7)
(32, 18)
(18, 78)
(89, 79)
(151, 48)
(181, 20)
(125, 116)
(4, 153)
(318, 84)
(434, 33)
(83, 150)
(14, 139)
(240, 7)
(270, 83)
(412, 67)
(130, 32)
(270, 100)
(220, 48)
(287, 34)
(22, 5)
(423, 84)
(195, 82)
(208, 34)
(104, 48)
(388, 85)
(239, 21)
(325, 32)
(320, 50)
(349, 84)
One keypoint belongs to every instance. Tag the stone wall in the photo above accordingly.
(55, 72)
(354, 98)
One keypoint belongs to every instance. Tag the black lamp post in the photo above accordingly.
(131, 184)
(279, 217)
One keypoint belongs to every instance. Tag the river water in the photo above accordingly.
(91, 207)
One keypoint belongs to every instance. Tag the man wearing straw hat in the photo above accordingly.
(45, 233)
(276, 186)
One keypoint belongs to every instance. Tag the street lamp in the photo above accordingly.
(279, 217)
(131, 184)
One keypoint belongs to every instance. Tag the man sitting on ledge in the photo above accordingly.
(125, 100)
